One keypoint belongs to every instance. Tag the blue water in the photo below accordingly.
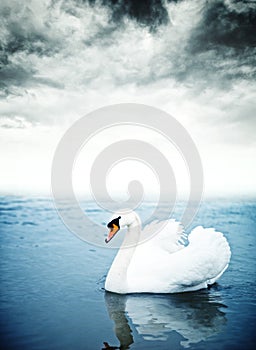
(52, 294)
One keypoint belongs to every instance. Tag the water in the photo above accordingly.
(52, 294)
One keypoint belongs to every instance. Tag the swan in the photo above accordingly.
(157, 260)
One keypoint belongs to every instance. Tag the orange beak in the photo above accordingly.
(113, 230)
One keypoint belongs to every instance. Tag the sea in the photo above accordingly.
(53, 297)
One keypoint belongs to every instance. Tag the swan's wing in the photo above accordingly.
(205, 258)
(200, 263)
(167, 235)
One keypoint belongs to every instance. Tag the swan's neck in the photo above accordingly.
(132, 237)
(117, 276)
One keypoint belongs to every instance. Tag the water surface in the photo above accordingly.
(52, 294)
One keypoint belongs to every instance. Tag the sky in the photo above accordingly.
(194, 59)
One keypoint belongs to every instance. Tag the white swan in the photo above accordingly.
(155, 259)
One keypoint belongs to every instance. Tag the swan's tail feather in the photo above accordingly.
(213, 280)
(214, 249)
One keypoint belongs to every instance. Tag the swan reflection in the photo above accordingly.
(195, 316)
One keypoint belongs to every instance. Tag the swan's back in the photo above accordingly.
(165, 235)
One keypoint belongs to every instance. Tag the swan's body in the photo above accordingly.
(161, 263)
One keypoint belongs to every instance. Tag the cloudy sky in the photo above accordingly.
(194, 59)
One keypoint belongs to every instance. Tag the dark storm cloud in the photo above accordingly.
(221, 48)
(151, 13)
(224, 27)
(22, 74)
(217, 50)
(22, 35)
(21, 32)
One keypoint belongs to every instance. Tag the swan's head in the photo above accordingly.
(121, 220)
